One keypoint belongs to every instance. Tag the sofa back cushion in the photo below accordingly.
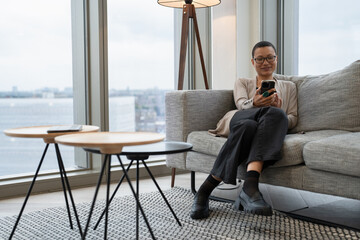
(328, 101)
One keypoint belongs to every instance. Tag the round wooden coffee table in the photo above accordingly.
(41, 132)
(110, 143)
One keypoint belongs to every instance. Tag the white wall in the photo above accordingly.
(235, 29)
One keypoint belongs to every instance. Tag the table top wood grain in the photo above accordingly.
(41, 132)
(109, 142)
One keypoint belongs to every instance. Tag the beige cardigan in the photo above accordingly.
(244, 92)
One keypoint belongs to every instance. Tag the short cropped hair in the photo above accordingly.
(262, 44)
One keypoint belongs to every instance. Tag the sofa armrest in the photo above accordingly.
(193, 110)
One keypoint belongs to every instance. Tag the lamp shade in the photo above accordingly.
(196, 3)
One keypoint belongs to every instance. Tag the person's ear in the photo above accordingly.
(252, 61)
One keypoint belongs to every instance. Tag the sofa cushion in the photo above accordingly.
(328, 101)
(203, 142)
(199, 162)
(292, 148)
(338, 154)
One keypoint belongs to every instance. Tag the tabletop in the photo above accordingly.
(41, 132)
(109, 142)
(160, 148)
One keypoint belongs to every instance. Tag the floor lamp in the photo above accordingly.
(188, 7)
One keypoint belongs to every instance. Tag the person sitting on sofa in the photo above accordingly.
(257, 132)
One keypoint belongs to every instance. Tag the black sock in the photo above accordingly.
(207, 187)
(251, 184)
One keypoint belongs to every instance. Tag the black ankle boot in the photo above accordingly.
(200, 207)
(254, 204)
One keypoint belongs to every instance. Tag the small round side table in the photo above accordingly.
(49, 138)
(140, 154)
(110, 143)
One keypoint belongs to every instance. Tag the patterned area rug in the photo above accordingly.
(223, 223)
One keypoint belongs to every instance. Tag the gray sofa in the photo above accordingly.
(321, 154)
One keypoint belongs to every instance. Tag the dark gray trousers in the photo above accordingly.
(256, 134)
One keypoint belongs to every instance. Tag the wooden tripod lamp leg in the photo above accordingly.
(183, 45)
(200, 48)
(188, 12)
(184, 38)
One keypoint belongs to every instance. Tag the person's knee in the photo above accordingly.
(277, 113)
(250, 125)
(246, 125)
(279, 116)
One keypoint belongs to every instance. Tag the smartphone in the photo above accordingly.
(267, 85)
(65, 128)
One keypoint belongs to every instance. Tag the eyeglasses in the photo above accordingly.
(269, 59)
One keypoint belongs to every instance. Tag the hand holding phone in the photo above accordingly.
(266, 85)
(261, 98)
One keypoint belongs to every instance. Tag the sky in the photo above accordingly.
(141, 45)
(329, 35)
(36, 48)
(35, 42)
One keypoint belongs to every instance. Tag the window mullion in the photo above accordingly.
(98, 69)
(79, 73)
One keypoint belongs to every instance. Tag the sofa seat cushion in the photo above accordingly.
(203, 142)
(338, 154)
(292, 148)
(199, 162)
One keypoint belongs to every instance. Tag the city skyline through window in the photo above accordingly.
(141, 64)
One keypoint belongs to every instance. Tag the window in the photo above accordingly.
(329, 35)
(141, 64)
(54, 61)
(36, 85)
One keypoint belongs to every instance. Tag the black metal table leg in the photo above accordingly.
(113, 195)
(137, 194)
(162, 194)
(107, 197)
(29, 191)
(63, 186)
(137, 199)
(61, 165)
(95, 195)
